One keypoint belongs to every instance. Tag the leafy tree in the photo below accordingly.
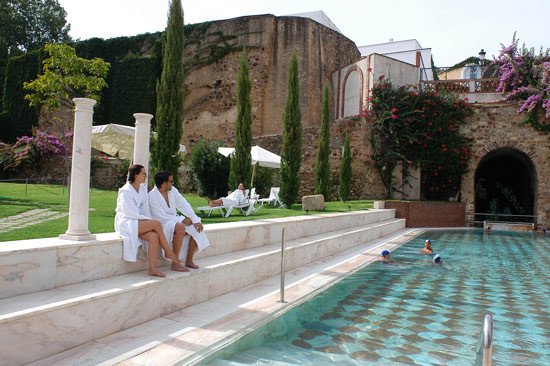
(170, 95)
(209, 168)
(27, 25)
(322, 172)
(345, 170)
(66, 76)
(291, 155)
(241, 161)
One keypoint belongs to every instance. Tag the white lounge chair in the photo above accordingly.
(273, 198)
(246, 206)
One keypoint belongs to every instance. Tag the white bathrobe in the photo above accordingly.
(168, 217)
(131, 206)
(235, 198)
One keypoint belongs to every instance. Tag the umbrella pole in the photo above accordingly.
(252, 179)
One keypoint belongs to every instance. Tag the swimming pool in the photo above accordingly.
(411, 312)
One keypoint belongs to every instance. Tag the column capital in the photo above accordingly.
(142, 118)
(86, 104)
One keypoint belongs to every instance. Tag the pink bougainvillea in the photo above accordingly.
(524, 76)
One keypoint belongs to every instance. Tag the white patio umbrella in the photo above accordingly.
(259, 156)
(114, 139)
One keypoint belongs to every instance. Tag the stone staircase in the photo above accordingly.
(56, 295)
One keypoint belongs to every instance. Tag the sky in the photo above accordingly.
(453, 29)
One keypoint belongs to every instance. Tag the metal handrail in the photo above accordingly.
(484, 350)
(283, 265)
(499, 214)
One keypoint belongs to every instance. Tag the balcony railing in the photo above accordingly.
(460, 86)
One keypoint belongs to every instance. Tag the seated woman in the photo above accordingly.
(427, 247)
(234, 198)
(134, 224)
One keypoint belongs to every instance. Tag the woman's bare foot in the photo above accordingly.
(210, 202)
(191, 265)
(178, 267)
(156, 272)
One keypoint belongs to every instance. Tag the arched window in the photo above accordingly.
(352, 93)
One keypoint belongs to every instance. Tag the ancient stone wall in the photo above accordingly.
(498, 125)
(210, 104)
(366, 182)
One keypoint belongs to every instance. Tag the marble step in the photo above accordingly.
(27, 266)
(40, 324)
(186, 336)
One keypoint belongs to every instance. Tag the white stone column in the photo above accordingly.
(80, 171)
(141, 139)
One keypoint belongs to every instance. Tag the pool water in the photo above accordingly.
(411, 312)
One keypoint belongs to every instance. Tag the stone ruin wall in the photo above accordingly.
(366, 182)
(498, 125)
(210, 103)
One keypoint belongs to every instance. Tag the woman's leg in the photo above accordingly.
(216, 202)
(153, 253)
(146, 226)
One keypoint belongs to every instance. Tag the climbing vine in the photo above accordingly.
(417, 128)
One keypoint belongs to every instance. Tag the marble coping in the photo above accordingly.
(38, 325)
(35, 265)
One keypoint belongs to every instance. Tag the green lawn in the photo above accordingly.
(17, 198)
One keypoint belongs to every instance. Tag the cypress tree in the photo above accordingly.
(345, 170)
(170, 95)
(291, 155)
(322, 171)
(240, 166)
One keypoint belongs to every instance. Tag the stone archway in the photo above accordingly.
(505, 183)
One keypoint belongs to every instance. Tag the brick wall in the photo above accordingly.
(429, 214)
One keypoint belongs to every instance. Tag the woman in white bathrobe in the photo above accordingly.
(234, 198)
(134, 224)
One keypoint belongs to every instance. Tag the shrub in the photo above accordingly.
(209, 168)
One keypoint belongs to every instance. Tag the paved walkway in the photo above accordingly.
(29, 218)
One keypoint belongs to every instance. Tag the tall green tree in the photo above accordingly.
(345, 170)
(27, 25)
(240, 170)
(291, 155)
(322, 171)
(170, 95)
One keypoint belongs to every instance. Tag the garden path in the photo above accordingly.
(29, 218)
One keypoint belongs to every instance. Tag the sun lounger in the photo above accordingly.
(273, 198)
(246, 208)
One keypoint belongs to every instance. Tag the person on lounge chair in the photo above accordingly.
(234, 198)
(164, 203)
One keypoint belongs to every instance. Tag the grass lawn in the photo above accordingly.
(16, 198)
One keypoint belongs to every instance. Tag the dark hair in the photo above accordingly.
(162, 177)
(134, 170)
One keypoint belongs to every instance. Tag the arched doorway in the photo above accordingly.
(505, 184)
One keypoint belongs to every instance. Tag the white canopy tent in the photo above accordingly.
(259, 156)
(117, 140)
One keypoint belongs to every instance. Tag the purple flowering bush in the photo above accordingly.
(525, 77)
(28, 152)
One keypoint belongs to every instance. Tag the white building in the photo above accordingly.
(408, 51)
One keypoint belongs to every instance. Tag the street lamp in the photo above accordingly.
(482, 54)
(473, 67)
